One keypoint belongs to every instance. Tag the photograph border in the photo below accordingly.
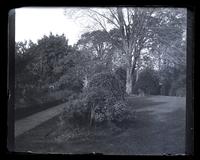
(9, 117)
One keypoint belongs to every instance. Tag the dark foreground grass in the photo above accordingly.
(147, 134)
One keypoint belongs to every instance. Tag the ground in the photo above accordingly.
(158, 128)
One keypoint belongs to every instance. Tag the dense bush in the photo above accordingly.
(102, 101)
(107, 81)
(148, 81)
(77, 111)
(49, 63)
(120, 111)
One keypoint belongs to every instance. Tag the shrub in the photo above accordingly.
(77, 111)
(102, 101)
(119, 112)
(107, 81)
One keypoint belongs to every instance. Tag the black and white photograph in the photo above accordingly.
(109, 80)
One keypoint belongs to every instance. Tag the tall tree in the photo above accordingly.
(98, 45)
(51, 63)
(138, 28)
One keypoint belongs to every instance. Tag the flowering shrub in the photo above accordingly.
(103, 100)
(120, 111)
(77, 111)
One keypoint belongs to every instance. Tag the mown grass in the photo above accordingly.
(143, 135)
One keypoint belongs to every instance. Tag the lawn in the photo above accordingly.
(157, 128)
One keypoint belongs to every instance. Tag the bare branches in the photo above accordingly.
(113, 15)
(106, 17)
(138, 27)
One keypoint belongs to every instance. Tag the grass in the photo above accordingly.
(146, 134)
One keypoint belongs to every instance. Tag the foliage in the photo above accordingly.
(174, 80)
(50, 66)
(132, 30)
(24, 79)
(121, 74)
(104, 96)
(97, 47)
(107, 81)
(77, 111)
(148, 81)
(97, 43)
(99, 67)
(120, 111)
(52, 58)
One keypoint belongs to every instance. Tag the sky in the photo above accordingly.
(33, 23)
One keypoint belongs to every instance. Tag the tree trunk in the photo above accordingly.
(137, 75)
(137, 70)
(129, 80)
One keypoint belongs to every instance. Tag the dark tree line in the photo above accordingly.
(46, 71)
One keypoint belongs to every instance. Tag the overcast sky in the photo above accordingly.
(33, 23)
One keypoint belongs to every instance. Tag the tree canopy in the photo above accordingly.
(136, 29)
(47, 67)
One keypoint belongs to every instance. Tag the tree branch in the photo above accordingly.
(111, 21)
